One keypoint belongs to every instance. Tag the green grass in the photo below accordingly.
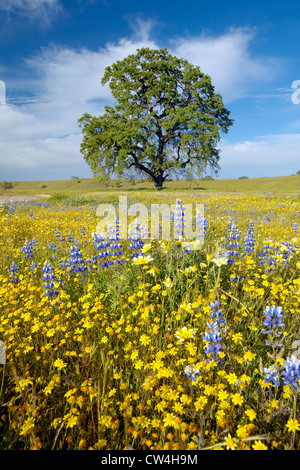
(275, 185)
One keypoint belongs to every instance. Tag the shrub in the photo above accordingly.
(243, 178)
(7, 185)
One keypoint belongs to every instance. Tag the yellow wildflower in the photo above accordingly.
(293, 425)
(59, 364)
(258, 445)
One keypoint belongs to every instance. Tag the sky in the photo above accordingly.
(53, 54)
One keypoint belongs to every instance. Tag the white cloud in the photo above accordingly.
(270, 155)
(42, 9)
(2, 92)
(68, 84)
(43, 131)
(228, 61)
(15, 5)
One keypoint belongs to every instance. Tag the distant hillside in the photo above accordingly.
(280, 184)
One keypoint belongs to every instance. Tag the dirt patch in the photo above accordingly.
(10, 197)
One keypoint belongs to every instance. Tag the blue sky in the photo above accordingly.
(54, 53)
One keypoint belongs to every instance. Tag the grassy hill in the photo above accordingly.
(281, 184)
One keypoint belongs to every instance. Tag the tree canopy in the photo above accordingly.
(167, 118)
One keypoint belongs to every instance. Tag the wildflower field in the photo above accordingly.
(143, 344)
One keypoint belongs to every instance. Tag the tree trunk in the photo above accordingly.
(158, 181)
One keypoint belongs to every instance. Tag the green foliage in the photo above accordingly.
(243, 178)
(167, 117)
(208, 178)
(6, 185)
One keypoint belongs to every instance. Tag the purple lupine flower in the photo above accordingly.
(76, 261)
(49, 278)
(273, 323)
(27, 249)
(13, 273)
(213, 336)
(291, 373)
(191, 372)
(272, 375)
(250, 238)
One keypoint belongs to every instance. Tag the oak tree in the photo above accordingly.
(167, 117)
